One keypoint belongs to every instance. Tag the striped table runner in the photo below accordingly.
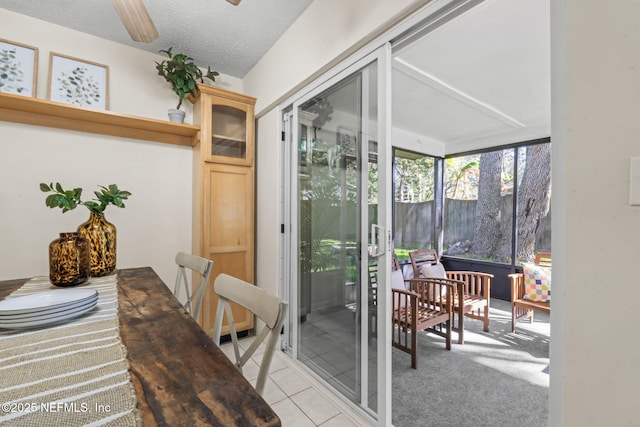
(70, 374)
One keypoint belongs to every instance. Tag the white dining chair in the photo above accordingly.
(268, 308)
(200, 265)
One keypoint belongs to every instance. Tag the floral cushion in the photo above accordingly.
(537, 282)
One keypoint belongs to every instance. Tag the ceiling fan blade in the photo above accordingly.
(136, 20)
(234, 2)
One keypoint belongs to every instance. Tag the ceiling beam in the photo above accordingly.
(446, 89)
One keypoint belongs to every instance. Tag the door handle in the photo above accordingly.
(378, 241)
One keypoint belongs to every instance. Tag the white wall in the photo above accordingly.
(156, 222)
(595, 130)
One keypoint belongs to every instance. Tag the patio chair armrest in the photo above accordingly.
(475, 282)
(402, 297)
(410, 294)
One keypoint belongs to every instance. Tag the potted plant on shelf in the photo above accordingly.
(100, 234)
(183, 74)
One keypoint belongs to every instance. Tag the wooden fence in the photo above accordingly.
(414, 224)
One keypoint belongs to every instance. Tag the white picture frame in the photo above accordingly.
(78, 82)
(18, 68)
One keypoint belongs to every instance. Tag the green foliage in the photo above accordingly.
(403, 254)
(182, 73)
(462, 173)
(69, 199)
(414, 179)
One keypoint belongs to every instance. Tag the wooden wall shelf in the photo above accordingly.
(39, 112)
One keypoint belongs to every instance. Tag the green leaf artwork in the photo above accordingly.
(11, 74)
(79, 88)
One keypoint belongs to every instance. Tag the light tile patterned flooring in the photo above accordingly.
(295, 395)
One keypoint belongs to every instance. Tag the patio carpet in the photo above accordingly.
(496, 378)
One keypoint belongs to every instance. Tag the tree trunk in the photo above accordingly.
(487, 229)
(534, 197)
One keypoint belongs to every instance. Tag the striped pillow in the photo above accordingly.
(537, 282)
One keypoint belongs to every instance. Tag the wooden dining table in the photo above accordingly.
(180, 376)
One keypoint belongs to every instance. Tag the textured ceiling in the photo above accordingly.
(230, 39)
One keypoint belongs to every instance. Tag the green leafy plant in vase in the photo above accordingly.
(99, 233)
(183, 75)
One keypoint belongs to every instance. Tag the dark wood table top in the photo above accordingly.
(181, 377)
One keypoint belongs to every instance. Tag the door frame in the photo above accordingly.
(289, 287)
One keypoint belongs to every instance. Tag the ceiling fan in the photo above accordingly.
(137, 21)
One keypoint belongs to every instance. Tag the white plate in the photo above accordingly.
(8, 320)
(59, 317)
(45, 300)
(48, 317)
(48, 311)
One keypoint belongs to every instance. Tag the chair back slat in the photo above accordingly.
(197, 264)
(268, 308)
(420, 257)
(257, 300)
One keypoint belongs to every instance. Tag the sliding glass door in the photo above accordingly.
(337, 237)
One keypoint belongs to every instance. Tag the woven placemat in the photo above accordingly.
(68, 374)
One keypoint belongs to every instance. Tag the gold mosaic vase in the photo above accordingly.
(68, 260)
(101, 236)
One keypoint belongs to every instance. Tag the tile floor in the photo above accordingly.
(295, 395)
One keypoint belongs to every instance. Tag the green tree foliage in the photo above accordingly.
(414, 179)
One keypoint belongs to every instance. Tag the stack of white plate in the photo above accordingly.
(44, 308)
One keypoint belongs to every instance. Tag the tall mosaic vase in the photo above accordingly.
(68, 260)
(101, 236)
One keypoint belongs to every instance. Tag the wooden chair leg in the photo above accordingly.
(460, 326)
(414, 350)
(486, 318)
(449, 325)
(513, 318)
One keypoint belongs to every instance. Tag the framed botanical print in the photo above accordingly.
(18, 68)
(78, 82)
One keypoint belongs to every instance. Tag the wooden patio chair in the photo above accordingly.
(473, 291)
(520, 306)
(427, 307)
(372, 275)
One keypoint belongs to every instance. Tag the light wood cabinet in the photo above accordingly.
(224, 193)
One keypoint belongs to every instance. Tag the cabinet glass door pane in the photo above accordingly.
(229, 136)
